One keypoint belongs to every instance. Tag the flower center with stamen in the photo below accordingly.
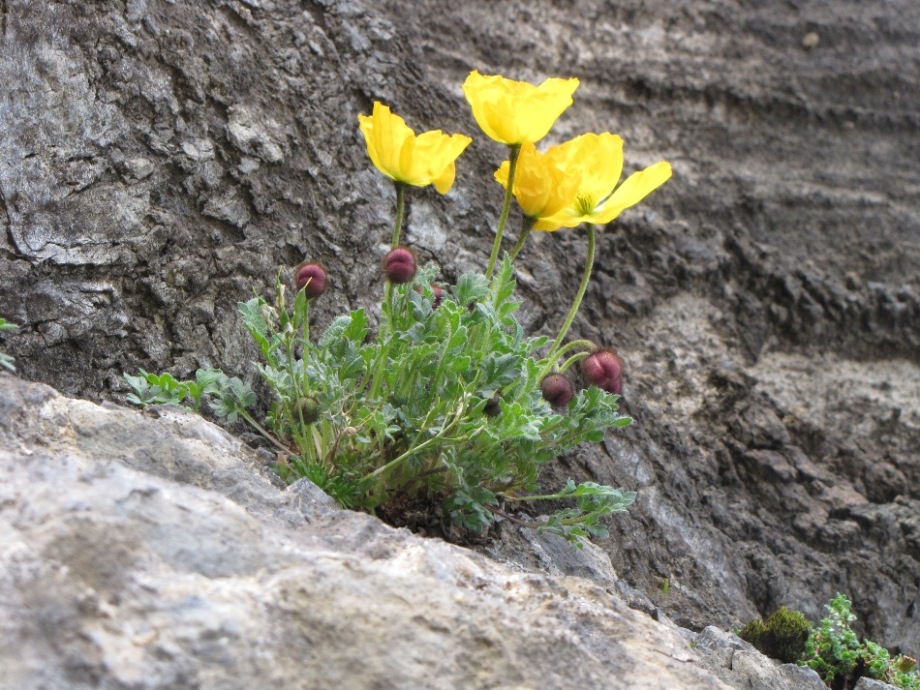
(585, 205)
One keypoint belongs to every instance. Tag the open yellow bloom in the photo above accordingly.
(512, 112)
(543, 187)
(399, 154)
(597, 159)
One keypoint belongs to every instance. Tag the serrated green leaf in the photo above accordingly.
(472, 287)
(253, 313)
(356, 330)
(207, 379)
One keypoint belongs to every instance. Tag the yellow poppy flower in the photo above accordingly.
(512, 112)
(598, 160)
(543, 187)
(399, 154)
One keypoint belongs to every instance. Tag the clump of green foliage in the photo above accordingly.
(835, 651)
(5, 360)
(443, 405)
(782, 636)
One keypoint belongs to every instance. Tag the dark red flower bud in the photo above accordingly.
(438, 296)
(604, 369)
(310, 277)
(557, 390)
(399, 265)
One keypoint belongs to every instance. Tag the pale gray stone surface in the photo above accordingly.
(869, 684)
(741, 666)
(147, 551)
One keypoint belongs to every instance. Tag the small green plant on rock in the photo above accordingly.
(449, 402)
(835, 651)
(5, 360)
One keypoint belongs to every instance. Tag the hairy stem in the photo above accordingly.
(514, 150)
(585, 278)
(400, 213)
(413, 449)
(526, 227)
(262, 430)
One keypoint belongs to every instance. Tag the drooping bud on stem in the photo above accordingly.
(310, 277)
(557, 390)
(604, 368)
(399, 265)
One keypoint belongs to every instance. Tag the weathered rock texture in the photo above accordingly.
(737, 662)
(158, 160)
(150, 553)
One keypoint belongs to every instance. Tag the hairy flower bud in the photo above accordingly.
(399, 265)
(604, 369)
(557, 390)
(310, 277)
(308, 409)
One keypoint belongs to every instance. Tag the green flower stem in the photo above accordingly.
(400, 213)
(586, 276)
(289, 362)
(571, 360)
(513, 150)
(526, 227)
(304, 318)
(413, 449)
(387, 304)
(387, 320)
(386, 323)
(573, 345)
(262, 430)
(382, 356)
(425, 426)
(543, 497)
(328, 458)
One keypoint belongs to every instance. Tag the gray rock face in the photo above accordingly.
(159, 160)
(741, 666)
(150, 553)
(869, 684)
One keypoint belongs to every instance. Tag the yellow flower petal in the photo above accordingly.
(598, 158)
(547, 225)
(446, 180)
(636, 187)
(513, 112)
(542, 187)
(398, 153)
